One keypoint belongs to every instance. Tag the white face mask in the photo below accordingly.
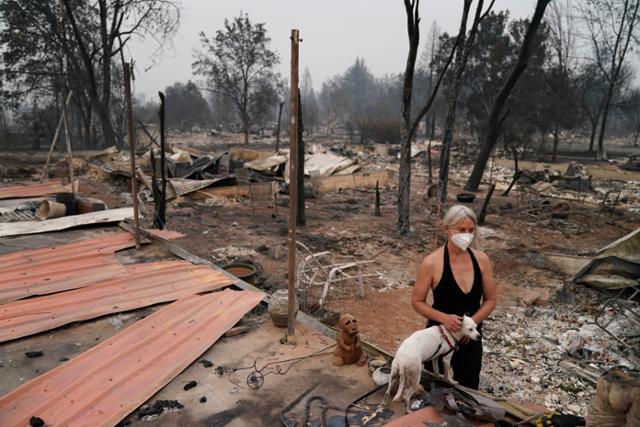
(462, 240)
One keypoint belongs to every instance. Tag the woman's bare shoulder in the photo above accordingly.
(431, 259)
(482, 257)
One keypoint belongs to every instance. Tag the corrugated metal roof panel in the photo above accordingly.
(58, 268)
(142, 286)
(106, 244)
(104, 384)
(10, 229)
(34, 189)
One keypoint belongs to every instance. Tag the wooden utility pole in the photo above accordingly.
(132, 153)
(293, 183)
(300, 216)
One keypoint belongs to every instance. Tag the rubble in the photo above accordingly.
(542, 344)
(395, 279)
(532, 348)
(615, 266)
(231, 253)
(148, 413)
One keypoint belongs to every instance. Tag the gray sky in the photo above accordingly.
(334, 32)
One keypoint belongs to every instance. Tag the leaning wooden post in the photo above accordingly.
(483, 211)
(293, 181)
(132, 153)
(55, 139)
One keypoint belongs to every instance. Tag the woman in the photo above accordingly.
(461, 279)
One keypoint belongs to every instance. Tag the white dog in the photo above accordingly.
(421, 346)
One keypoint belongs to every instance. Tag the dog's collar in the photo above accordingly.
(445, 336)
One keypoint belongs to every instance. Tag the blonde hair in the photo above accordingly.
(458, 213)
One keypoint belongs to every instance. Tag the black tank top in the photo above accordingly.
(449, 298)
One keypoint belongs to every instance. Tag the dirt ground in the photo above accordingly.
(514, 236)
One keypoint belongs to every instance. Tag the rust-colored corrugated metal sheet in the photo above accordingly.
(34, 190)
(144, 285)
(58, 268)
(104, 384)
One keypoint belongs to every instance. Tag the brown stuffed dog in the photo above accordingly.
(349, 349)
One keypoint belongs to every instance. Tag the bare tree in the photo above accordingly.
(496, 118)
(404, 179)
(92, 33)
(561, 89)
(428, 63)
(407, 127)
(591, 90)
(118, 21)
(462, 55)
(239, 64)
(612, 26)
(630, 107)
(310, 102)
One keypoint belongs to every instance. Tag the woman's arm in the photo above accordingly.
(419, 299)
(489, 296)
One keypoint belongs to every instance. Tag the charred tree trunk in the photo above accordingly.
(461, 63)
(245, 128)
(278, 128)
(428, 119)
(404, 179)
(556, 132)
(433, 125)
(426, 126)
(408, 129)
(617, 49)
(100, 104)
(594, 131)
(541, 145)
(404, 182)
(429, 164)
(496, 119)
(160, 194)
(86, 127)
(603, 123)
(108, 133)
(376, 210)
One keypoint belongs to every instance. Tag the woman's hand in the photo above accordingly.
(452, 322)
